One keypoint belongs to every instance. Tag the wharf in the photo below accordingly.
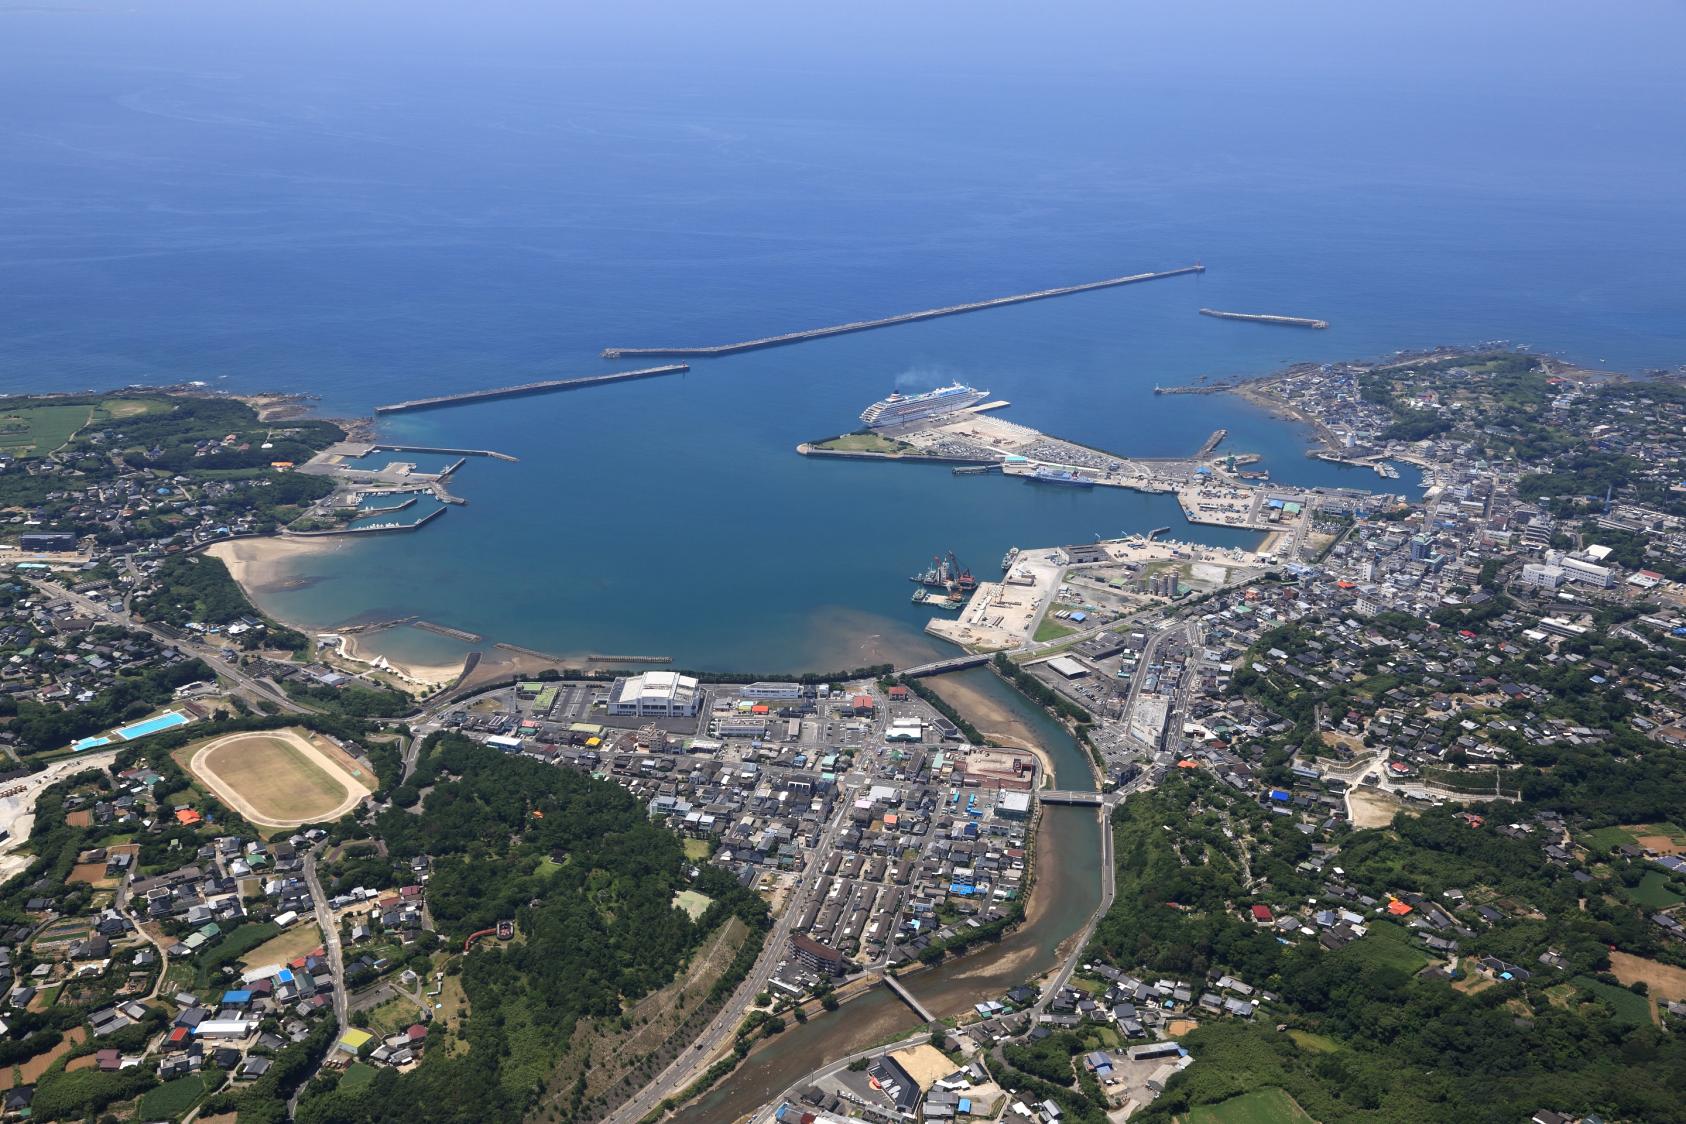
(1266, 318)
(890, 321)
(523, 389)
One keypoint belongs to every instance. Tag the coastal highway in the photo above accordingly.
(699, 1054)
(222, 665)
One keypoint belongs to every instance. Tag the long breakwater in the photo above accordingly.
(544, 387)
(889, 321)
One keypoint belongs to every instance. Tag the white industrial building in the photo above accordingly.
(655, 693)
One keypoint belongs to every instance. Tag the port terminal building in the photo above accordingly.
(663, 694)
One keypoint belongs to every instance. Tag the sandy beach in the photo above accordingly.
(992, 719)
(261, 563)
(358, 649)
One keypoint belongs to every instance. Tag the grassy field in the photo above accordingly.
(1051, 629)
(865, 443)
(696, 849)
(300, 940)
(1314, 1043)
(1262, 1106)
(35, 431)
(1631, 1009)
(1607, 838)
(357, 1076)
(1653, 892)
(693, 903)
(1387, 944)
(174, 1099)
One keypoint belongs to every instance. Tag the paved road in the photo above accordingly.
(330, 937)
(686, 1068)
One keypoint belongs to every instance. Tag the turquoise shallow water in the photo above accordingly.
(377, 202)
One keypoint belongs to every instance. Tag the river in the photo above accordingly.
(1067, 889)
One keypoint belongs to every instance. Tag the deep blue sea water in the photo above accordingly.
(375, 202)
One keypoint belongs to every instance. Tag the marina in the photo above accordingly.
(890, 321)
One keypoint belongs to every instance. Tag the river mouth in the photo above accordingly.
(1066, 892)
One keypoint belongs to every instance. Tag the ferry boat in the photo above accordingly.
(899, 409)
(1010, 557)
(1062, 477)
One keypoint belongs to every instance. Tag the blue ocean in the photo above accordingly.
(374, 202)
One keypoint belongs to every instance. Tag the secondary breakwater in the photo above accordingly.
(1266, 318)
(526, 388)
(889, 321)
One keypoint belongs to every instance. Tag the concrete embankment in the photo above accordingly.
(890, 321)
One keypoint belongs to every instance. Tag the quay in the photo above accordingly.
(1265, 318)
(453, 633)
(906, 996)
(890, 321)
(526, 388)
(629, 659)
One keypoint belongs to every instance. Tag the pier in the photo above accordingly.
(890, 321)
(1265, 318)
(976, 469)
(526, 388)
(906, 996)
(373, 529)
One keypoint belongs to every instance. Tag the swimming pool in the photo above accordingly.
(90, 743)
(166, 721)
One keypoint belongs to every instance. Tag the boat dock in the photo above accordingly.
(544, 387)
(1265, 318)
(890, 321)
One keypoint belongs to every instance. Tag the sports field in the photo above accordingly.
(279, 778)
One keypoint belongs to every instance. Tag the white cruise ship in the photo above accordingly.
(899, 409)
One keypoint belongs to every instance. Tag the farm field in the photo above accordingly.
(1653, 892)
(1262, 1106)
(35, 431)
(1665, 981)
(173, 1099)
(278, 778)
(1634, 1010)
